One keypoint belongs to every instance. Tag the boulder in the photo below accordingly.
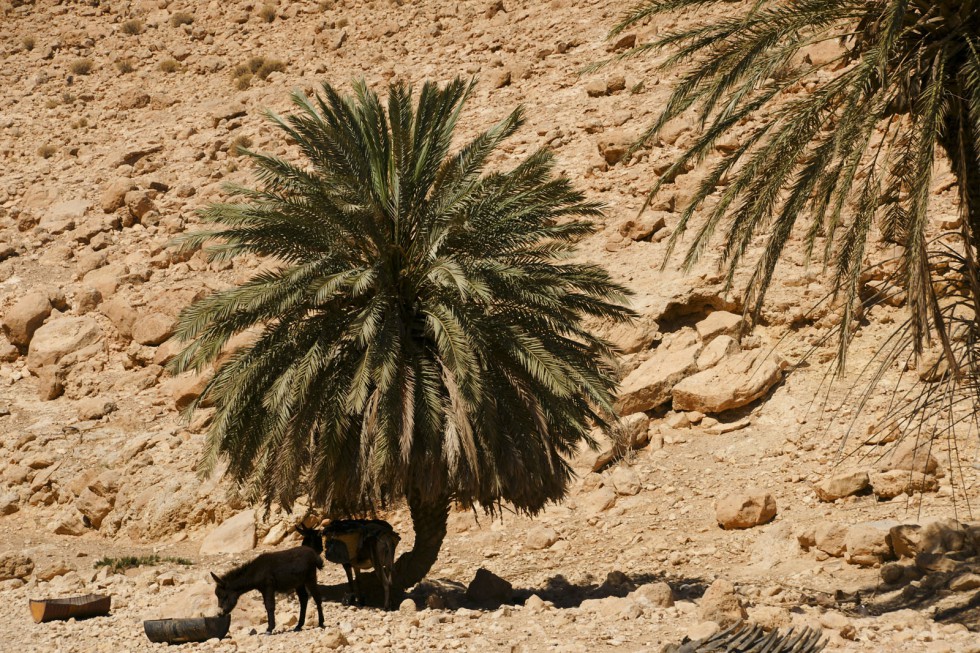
(721, 604)
(625, 482)
(735, 382)
(716, 351)
(935, 536)
(719, 323)
(614, 144)
(63, 216)
(186, 388)
(61, 337)
(50, 382)
(27, 314)
(637, 336)
(541, 537)
(650, 384)
(487, 588)
(869, 543)
(114, 195)
(69, 522)
(829, 537)
(15, 565)
(153, 329)
(599, 500)
(9, 503)
(106, 279)
(896, 482)
(659, 595)
(841, 485)
(644, 226)
(965, 582)
(121, 314)
(234, 535)
(90, 408)
(93, 507)
(745, 510)
(914, 456)
(139, 203)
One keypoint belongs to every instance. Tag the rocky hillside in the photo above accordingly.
(120, 120)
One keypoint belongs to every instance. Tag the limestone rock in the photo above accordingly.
(50, 382)
(9, 503)
(69, 522)
(644, 226)
(896, 482)
(650, 385)
(614, 144)
(15, 565)
(914, 456)
(152, 329)
(718, 323)
(121, 314)
(27, 314)
(965, 583)
(234, 535)
(625, 482)
(829, 538)
(541, 537)
(716, 351)
(186, 388)
(735, 382)
(114, 195)
(658, 594)
(599, 500)
(631, 338)
(93, 507)
(934, 536)
(721, 604)
(94, 408)
(869, 543)
(745, 510)
(841, 485)
(59, 338)
(487, 588)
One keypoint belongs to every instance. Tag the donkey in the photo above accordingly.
(279, 571)
(357, 544)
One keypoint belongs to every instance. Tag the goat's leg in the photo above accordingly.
(303, 597)
(350, 583)
(314, 590)
(357, 588)
(269, 598)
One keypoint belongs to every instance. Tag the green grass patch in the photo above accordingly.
(131, 562)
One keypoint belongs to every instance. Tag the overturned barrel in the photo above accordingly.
(180, 631)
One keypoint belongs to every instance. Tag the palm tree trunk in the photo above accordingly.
(964, 157)
(429, 521)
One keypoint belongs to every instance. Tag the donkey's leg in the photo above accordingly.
(313, 589)
(385, 583)
(303, 597)
(269, 598)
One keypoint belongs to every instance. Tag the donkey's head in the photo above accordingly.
(227, 597)
(312, 537)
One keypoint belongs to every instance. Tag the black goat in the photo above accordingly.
(279, 571)
(357, 544)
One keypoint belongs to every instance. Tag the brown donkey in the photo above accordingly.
(279, 571)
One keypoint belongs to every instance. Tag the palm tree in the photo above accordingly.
(421, 338)
(839, 143)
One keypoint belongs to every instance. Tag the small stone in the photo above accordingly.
(152, 329)
(407, 607)
(332, 640)
(625, 481)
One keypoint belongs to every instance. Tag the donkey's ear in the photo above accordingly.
(217, 579)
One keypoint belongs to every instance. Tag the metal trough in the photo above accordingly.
(179, 631)
(75, 607)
